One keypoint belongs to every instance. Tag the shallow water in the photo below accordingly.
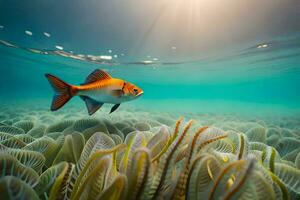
(244, 88)
(268, 77)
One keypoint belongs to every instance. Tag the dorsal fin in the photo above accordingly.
(97, 75)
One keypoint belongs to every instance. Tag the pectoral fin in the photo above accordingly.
(115, 107)
(91, 104)
(117, 93)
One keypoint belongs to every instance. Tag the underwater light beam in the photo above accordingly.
(149, 30)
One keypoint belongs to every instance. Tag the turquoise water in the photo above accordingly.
(230, 60)
(268, 78)
(185, 56)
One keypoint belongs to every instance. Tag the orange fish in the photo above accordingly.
(98, 88)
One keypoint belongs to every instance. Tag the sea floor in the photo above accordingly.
(135, 153)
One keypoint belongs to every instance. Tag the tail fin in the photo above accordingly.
(63, 92)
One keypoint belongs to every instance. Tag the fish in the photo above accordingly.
(99, 88)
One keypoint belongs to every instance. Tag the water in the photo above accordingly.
(236, 72)
(265, 77)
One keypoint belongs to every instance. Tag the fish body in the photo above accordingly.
(104, 91)
(98, 88)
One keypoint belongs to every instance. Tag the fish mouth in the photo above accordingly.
(139, 94)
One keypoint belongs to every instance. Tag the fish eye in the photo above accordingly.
(135, 90)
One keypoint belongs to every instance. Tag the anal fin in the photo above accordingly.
(115, 107)
(91, 104)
